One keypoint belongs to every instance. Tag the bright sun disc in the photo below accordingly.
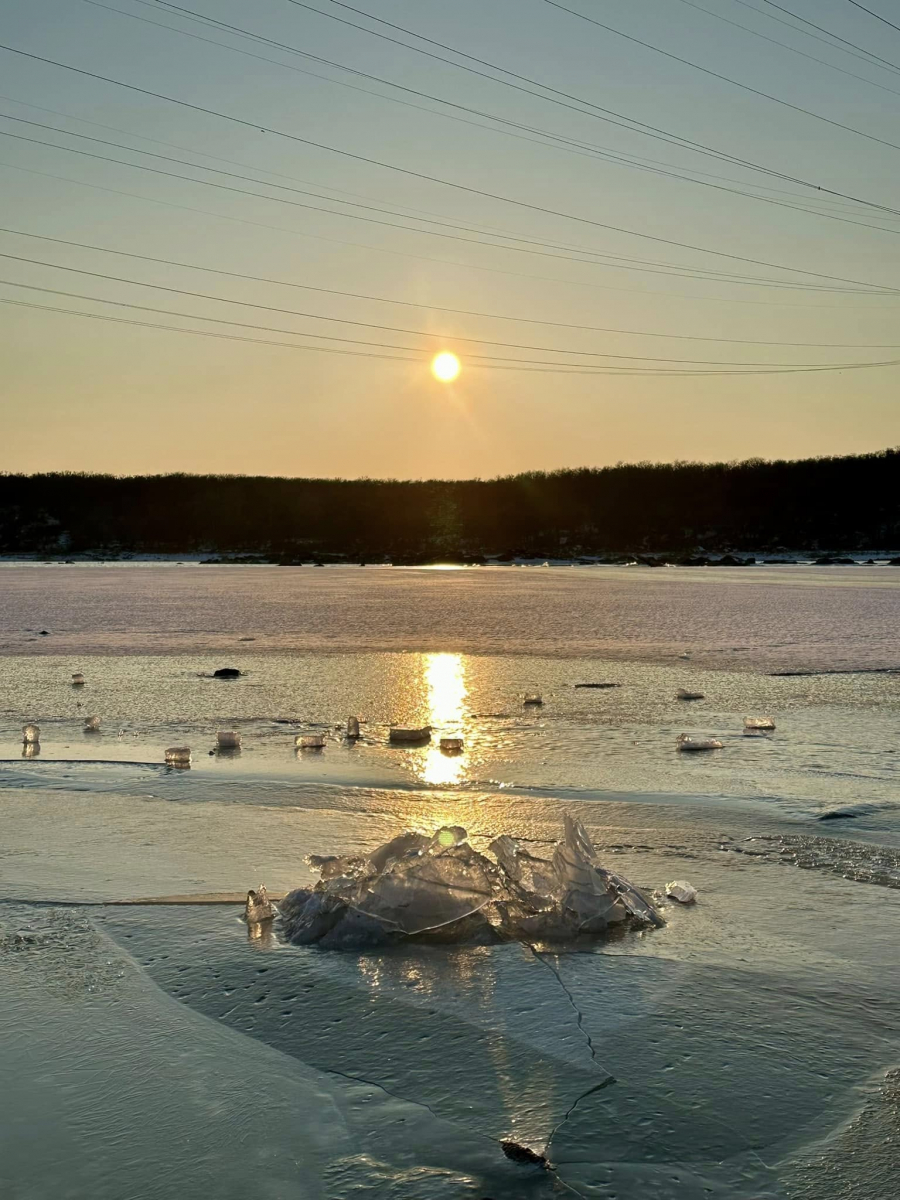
(445, 366)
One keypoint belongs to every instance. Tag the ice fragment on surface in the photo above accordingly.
(31, 733)
(684, 694)
(752, 724)
(178, 756)
(533, 698)
(259, 907)
(309, 741)
(682, 891)
(352, 727)
(441, 888)
(228, 739)
(451, 745)
(78, 679)
(409, 735)
(91, 724)
(691, 741)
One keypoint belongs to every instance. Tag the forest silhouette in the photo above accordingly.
(678, 510)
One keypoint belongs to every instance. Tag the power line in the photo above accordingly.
(556, 142)
(431, 178)
(864, 56)
(425, 333)
(610, 116)
(567, 144)
(614, 262)
(74, 312)
(877, 16)
(555, 370)
(611, 260)
(837, 38)
(775, 42)
(769, 303)
(443, 308)
(745, 87)
(431, 220)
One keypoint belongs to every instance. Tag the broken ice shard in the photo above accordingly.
(754, 724)
(440, 888)
(689, 741)
(309, 741)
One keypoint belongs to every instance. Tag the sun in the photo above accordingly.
(445, 366)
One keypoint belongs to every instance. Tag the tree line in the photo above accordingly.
(845, 503)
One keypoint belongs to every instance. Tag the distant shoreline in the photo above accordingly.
(648, 559)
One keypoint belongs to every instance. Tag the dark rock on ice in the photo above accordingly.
(597, 685)
(844, 814)
(226, 673)
(522, 1154)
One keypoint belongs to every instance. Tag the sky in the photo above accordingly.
(322, 230)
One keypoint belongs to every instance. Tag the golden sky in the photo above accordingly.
(439, 266)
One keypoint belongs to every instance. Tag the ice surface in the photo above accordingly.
(441, 888)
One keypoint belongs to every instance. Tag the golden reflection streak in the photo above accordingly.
(445, 679)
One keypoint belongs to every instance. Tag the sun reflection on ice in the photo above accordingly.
(445, 679)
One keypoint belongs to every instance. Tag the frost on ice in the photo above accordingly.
(440, 888)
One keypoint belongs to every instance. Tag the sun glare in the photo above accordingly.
(445, 366)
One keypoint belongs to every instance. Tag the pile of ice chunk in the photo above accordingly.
(440, 888)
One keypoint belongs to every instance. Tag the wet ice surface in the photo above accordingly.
(734, 1046)
(738, 1036)
(772, 618)
(740, 1053)
(835, 737)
